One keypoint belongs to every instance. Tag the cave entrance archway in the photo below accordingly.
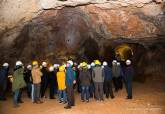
(123, 52)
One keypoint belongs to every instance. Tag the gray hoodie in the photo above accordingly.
(97, 74)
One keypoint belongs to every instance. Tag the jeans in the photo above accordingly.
(70, 95)
(36, 92)
(16, 96)
(3, 90)
(85, 92)
(62, 95)
(29, 89)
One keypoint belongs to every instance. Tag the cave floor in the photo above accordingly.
(149, 98)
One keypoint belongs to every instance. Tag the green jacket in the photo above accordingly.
(18, 80)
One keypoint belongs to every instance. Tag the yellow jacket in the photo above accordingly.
(61, 80)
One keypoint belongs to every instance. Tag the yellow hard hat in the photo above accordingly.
(61, 68)
(84, 64)
(97, 62)
(35, 63)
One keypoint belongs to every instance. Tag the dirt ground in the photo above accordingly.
(148, 99)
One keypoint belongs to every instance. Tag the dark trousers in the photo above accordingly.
(85, 93)
(29, 89)
(91, 90)
(3, 91)
(70, 95)
(128, 86)
(108, 88)
(44, 86)
(52, 90)
(116, 83)
(36, 92)
(99, 90)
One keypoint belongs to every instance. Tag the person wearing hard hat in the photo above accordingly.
(116, 70)
(36, 77)
(85, 80)
(108, 80)
(98, 79)
(128, 78)
(56, 67)
(18, 83)
(91, 88)
(28, 79)
(3, 80)
(51, 82)
(44, 79)
(61, 79)
(70, 80)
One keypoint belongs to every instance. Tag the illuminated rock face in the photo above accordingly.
(89, 32)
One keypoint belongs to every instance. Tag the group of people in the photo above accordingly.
(91, 80)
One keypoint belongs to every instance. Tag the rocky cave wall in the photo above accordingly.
(56, 30)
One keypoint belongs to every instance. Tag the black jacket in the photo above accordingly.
(85, 77)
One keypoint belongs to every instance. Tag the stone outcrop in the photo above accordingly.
(55, 30)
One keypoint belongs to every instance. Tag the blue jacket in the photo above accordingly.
(128, 74)
(3, 75)
(107, 73)
(69, 76)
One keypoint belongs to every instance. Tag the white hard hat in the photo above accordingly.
(89, 66)
(56, 65)
(92, 64)
(114, 61)
(44, 64)
(51, 68)
(5, 65)
(128, 62)
(19, 63)
(70, 62)
(118, 63)
(105, 63)
(29, 66)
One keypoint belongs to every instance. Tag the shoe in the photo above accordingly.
(51, 98)
(39, 102)
(83, 100)
(16, 106)
(87, 101)
(64, 102)
(20, 101)
(129, 98)
(60, 102)
(112, 97)
(67, 107)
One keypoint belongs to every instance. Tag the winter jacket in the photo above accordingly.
(107, 73)
(129, 72)
(28, 76)
(97, 74)
(45, 75)
(18, 79)
(116, 70)
(69, 76)
(36, 75)
(3, 75)
(61, 77)
(85, 77)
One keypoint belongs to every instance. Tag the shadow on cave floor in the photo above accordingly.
(148, 99)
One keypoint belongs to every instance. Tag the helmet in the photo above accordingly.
(89, 66)
(97, 62)
(19, 63)
(105, 63)
(61, 68)
(92, 64)
(5, 65)
(118, 64)
(56, 65)
(114, 61)
(35, 63)
(29, 66)
(70, 62)
(128, 62)
(51, 68)
(84, 64)
(44, 64)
